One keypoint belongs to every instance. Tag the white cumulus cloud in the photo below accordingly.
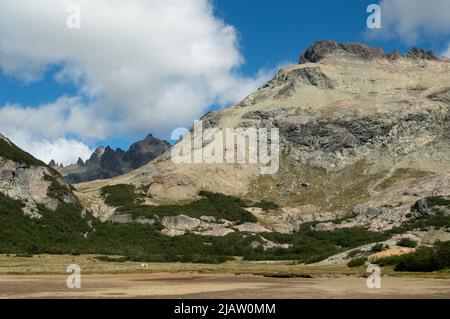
(447, 52)
(62, 150)
(139, 66)
(409, 20)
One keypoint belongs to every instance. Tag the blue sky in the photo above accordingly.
(269, 32)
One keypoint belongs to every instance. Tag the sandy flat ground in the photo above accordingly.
(192, 285)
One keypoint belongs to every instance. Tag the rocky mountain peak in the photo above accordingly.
(107, 162)
(99, 151)
(321, 49)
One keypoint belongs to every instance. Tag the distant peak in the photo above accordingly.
(320, 49)
(80, 162)
(99, 150)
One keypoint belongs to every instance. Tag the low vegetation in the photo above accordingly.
(422, 223)
(125, 198)
(59, 231)
(120, 195)
(68, 231)
(424, 259)
(406, 242)
(357, 262)
(438, 201)
(56, 189)
(377, 248)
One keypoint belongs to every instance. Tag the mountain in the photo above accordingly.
(363, 133)
(364, 168)
(106, 163)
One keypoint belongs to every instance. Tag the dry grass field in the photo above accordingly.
(44, 276)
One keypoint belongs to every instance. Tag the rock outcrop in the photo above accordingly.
(24, 178)
(321, 49)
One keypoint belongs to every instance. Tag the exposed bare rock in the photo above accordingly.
(30, 185)
(122, 218)
(24, 178)
(252, 228)
(208, 219)
(267, 244)
(180, 222)
(304, 76)
(420, 54)
(320, 49)
(171, 232)
(217, 231)
(145, 221)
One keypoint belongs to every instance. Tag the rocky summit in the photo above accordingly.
(106, 162)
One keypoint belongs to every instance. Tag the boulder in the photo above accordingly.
(180, 222)
(252, 228)
(122, 218)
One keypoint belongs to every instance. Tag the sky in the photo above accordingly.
(140, 66)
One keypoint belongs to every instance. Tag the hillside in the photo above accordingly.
(362, 131)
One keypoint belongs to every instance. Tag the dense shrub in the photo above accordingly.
(353, 253)
(406, 242)
(437, 201)
(377, 248)
(56, 189)
(356, 262)
(212, 204)
(59, 231)
(120, 195)
(424, 259)
(265, 205)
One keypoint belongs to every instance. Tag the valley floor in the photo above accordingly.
(44, 276)
(195, 285)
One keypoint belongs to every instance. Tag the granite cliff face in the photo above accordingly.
(106, 163)
(363, 132)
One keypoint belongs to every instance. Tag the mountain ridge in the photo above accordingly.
(106, 162)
